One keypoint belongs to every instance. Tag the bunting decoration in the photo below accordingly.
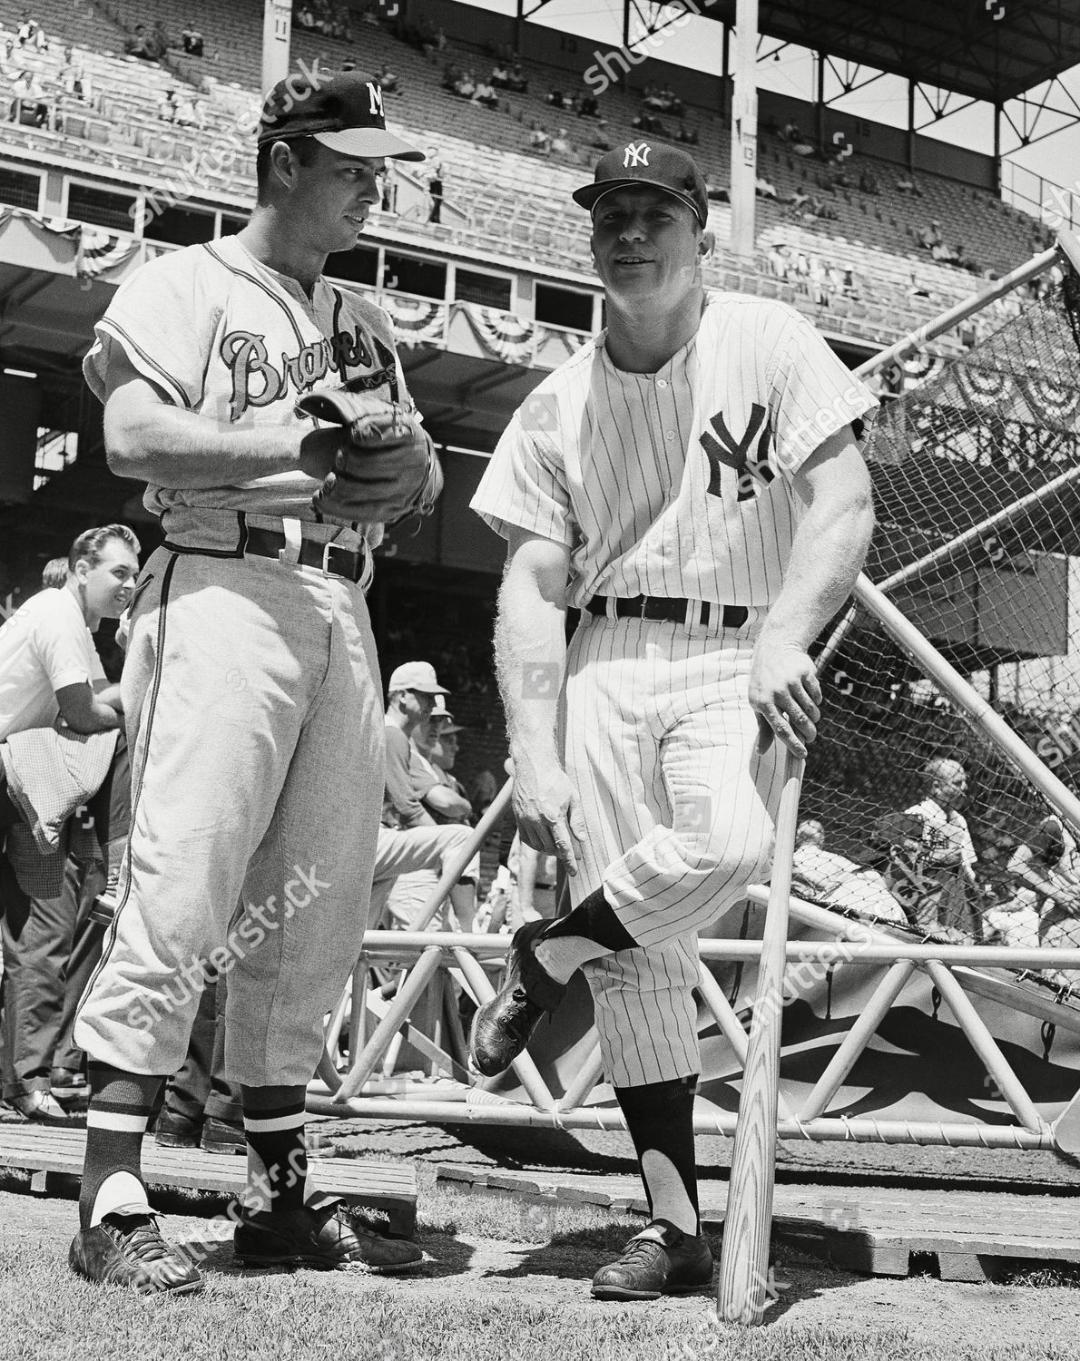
(100, 250)
(416, 322)
(502, 335)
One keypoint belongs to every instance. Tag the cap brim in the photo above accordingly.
(371, 144)
(450, 727)
(427, 689)
(590, 194)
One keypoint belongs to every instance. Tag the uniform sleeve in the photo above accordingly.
(162, 323)
(524, 484)
(812, 395)
(62, 650)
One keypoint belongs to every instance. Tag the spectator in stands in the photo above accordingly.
(485, 94)
(717, 193)
(517, 80)
(435, 188)
(387, 79)
(908, 184)
(140, 44)
(31, 34)
(930, 236)
(556, 99)
(589, 107)
(917, 288)
(185, 112)
(600, 139)
(1046, 871)
(935, 867)
(73, 79)
(685, 134)
(466, 86)
(539, 139)
(500, 77)
(29, 103)
(192, 40)
(561, 145)
(167, 109)
(835, 881)
(304, 17)
(790, 133)
(50, 671)
(868, 182)
(764, 188)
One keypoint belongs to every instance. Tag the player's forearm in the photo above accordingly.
(530, 659)
(181, 449)
(827, 556)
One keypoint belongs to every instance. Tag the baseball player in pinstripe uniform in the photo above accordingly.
(691, 481)
(251, 685)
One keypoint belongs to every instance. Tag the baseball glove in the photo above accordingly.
(383, 465)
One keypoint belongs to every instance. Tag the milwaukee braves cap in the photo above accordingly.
(416, 676)
(441, 711)
(343, 110)
(642, 164)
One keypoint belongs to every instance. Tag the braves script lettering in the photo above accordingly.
(257, 381)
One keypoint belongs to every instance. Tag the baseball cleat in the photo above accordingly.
(176, 1131)
(218, 1136)
(660, 1260)
(328, 1238)
(128, 1250)
(502, 1027)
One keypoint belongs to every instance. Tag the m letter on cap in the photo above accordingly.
(376, 99)
(636, 154)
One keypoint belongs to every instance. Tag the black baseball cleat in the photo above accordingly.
(328, 1238)
(219, 1136)
(176, 1131)
(502, 1027)
(128, 1250)
(661, 1260)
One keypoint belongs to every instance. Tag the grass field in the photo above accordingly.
(500, 1282)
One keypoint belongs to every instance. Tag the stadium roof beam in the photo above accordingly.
(992, 51)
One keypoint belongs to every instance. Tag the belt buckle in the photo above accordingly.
(329, 547)
(644, 607)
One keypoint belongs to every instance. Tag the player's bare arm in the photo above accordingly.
(85, 712)
(530, 657)
(827, 554)
(151, 440)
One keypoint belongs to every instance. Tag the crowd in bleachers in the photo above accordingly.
(866, 216)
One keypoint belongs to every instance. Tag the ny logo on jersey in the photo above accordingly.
(723, 450)
(636, 153)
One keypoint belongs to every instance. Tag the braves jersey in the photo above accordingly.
(225, 336)
(652, 479)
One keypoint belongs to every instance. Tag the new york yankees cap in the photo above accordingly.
(652, 165)
(341, 109)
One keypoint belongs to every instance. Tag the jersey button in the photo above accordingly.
(661, 382)
(669, 435)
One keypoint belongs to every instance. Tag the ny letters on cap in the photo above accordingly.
(652, 165)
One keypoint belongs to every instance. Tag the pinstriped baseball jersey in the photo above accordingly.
(222, 334)
(649, 478)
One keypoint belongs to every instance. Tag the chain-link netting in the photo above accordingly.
(920, 821)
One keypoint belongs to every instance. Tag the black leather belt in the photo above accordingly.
(667, 607)
(330, 558)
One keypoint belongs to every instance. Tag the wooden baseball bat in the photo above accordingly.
(744, 1260)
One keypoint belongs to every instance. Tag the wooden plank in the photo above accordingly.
(48, 1151)
(866, 1229)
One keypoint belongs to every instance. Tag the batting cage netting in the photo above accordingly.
(976, 470)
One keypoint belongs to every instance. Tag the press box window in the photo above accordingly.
(102, 207)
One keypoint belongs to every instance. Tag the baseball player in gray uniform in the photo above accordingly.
(251, 686)
(691, 481)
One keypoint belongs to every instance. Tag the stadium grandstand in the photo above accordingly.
(120, 144)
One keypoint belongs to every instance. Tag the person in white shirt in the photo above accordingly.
(933, 882)
(49, 672)
(835, 881)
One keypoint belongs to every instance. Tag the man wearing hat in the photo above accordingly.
(691, 481)
(413, 844)
(251, 685)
